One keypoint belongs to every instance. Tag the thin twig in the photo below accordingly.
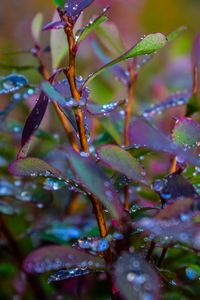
(150, 251)
(164, 251)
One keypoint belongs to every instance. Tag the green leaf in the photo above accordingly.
(60, 3)
(36, 27)
(148, 45)
(121, 161)
(35, 167)
(174, 34)
(186, 132)
(58, 45)
(84, 32)
(96, 182)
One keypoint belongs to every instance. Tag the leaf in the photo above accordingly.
(147, 45)
(186, 132)
(121, 161)
(34, 167)
(180, 209)
(95, 109)
(12, 83)
(134, 278)
(33, 122)
(178, 99)
(82, 33)
(173, 187)
(69, 273)
(36, 27)
(174, 34)
(75, 7)
(65, 104)
(58, 44)
(93, 244)
(54, 25)
(56, 257)
(154, 139)
(172, 231)
(96, 182)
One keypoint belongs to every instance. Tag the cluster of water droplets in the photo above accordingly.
(68, 273)
(12, 83)
(178, 99)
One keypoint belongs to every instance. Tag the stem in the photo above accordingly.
(164, 251)
(150, 251)
(128, 112)
(67, 128)
(128, 109)
(70, 73)
(195, 81)
(71, 76)
(13, 245)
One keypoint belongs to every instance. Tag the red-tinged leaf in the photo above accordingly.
(122, 161)
(178, 99)
(95, 182)
(56, 257)
(95, 109)
(54, 25)
(135, 278)
(75, 7)
(196, 51)
(186, 132)
(34, 167)
(34, 119)
(143, 135)
(180, 209)
(172, 231)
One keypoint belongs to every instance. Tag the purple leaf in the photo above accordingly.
(172, 231)
(95, 181)
(178, 99)
(142, 134)
(75, 7)
(54, 25)
(96, 109)
(196, 51)
(121, 161)
(34, 119)
(174, 187)
(56, 257)
(135, 278)
(181, 209)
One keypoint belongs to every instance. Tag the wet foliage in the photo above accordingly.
(98, 200)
